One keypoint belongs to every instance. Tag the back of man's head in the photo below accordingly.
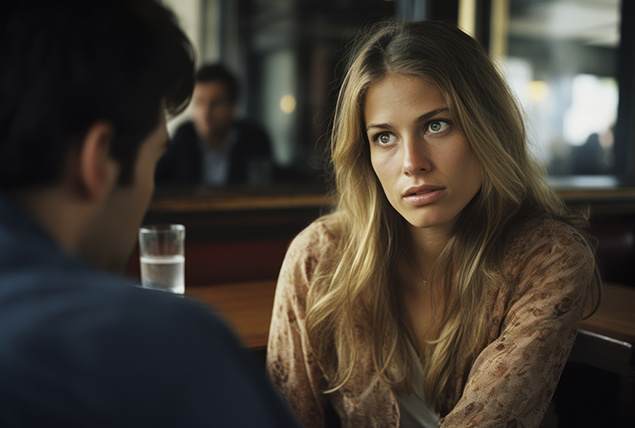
(66, 64)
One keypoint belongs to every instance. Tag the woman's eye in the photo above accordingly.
(437, 126)
(385, 138)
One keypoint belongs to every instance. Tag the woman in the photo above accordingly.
(447, 286)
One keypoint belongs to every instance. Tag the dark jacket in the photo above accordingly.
(81, 348)
(183, 162)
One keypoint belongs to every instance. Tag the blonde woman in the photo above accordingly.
(447, 286)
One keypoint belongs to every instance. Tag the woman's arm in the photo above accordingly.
(290, 362)
(513, 379)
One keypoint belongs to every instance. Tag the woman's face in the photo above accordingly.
(424, 162)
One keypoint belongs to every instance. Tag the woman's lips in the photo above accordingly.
(424, 197)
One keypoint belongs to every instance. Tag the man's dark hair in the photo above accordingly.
(219, 73)
(65, 64)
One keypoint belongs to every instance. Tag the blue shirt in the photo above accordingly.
(81, 348)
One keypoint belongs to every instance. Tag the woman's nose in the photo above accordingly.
(416, 158)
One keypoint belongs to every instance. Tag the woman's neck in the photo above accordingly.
(426, 246)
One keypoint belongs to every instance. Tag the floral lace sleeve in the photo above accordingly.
(514, 377)
(290, 361)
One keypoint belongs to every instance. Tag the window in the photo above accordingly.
(568, 64)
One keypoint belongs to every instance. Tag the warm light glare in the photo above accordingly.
(593, 108)
(538, 90)
(287, 104)
(467, 16)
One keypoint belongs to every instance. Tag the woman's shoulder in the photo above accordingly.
(310, 249)
(549, 243)
(546, 232)
(319, 237)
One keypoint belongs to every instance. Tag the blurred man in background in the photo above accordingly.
(215, 148)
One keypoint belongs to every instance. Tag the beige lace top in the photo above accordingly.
(533, 327)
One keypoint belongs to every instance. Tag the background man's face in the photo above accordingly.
(212, 110)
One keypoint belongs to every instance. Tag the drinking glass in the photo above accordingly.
(162, 257)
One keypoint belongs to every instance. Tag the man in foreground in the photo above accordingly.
(84, 87)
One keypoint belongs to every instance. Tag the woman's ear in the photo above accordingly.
(97, 171)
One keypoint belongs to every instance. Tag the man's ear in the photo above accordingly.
(98, 171)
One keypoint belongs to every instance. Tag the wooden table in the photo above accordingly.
(604, 341)
(246, 306)
(614, 326)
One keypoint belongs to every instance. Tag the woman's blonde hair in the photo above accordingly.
(354, 297)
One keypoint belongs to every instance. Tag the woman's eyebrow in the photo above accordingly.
(432, 113)
(377, 125)
(421, 118)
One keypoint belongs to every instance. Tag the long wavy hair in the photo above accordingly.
(354, 299)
